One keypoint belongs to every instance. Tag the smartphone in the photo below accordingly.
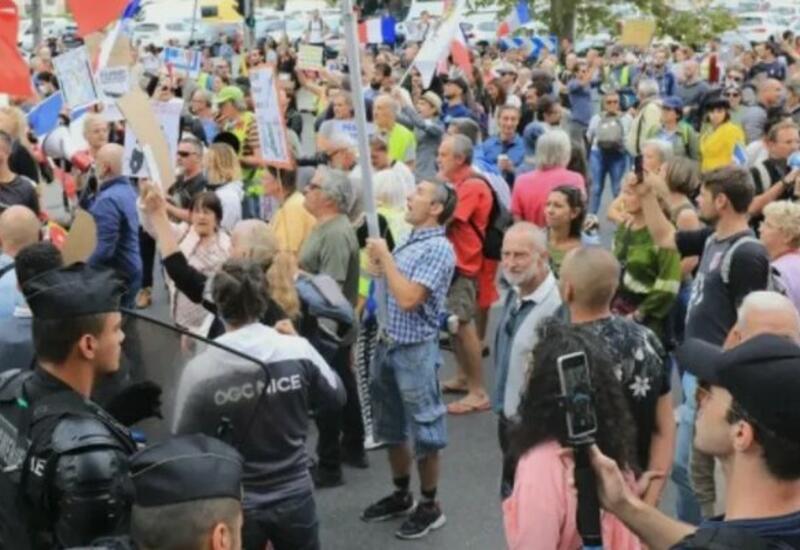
(576, 387)
(638, 168)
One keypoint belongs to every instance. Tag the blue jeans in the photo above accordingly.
(602, 164)
(687, 507)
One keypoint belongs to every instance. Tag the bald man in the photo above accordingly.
(19, 227)
(754, 117)
(589, 279)
(114, 212)
(402, 145)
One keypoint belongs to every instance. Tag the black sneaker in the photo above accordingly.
(326, 477)
(393, 506)
(426, 518)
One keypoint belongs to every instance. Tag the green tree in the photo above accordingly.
(565, 18)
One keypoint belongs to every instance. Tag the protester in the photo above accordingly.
(541, 512)
(428, 132)
(332, 248)
(278, 498)
(404, 384)
(648, 116)
(117, 221)
(533, 298)
(755, 117)
(14, 188)
(21, 160)
(530, 192)
(676, 131)
(505, 150)
(772, 177)
(400, 141)
(225, 179)
(780, 235)
(292, 223)
(190, 181)
(607, 156)
(19, 228)
(589, 280)
(565, 214)
(188, 495)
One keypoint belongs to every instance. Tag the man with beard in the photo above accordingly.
(533, 297)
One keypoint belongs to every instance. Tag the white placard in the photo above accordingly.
(310, 57)
(271, 130)
(75, 77)
(184, 60)
(168, 114)
(112, 84)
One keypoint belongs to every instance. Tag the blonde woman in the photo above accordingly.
(780, 234)
(21, 161)
(225, 179)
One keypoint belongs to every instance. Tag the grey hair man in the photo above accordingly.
(553, 150)
(648, 118)
(533, 297)
(332, 248)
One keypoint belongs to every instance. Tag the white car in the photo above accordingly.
(481, 26)
(758, 27)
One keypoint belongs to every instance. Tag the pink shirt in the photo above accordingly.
(540, 513)
(531, 189)
(788, 266)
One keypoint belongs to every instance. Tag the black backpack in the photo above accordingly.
(500, 219)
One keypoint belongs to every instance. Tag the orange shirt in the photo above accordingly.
(472, 211)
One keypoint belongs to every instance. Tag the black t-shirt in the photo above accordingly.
(712, 306)
(642, 368)
(19, 190)
(184, 191)
(21, 161)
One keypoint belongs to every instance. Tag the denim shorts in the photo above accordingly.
(406, 399)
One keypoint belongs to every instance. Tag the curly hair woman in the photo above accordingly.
(540, 513)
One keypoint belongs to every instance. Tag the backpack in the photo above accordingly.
(500, 219)
(774, 281)
(610, 134)
(328, 318)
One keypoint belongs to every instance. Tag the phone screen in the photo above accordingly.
(576, 385)
(638, 168)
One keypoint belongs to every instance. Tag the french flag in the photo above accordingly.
(518, 17)
(377, 30)
(460, 52)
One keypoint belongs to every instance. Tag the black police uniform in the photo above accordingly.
(63, 460)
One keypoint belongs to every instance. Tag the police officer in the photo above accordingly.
(63, 460)
(188, 495)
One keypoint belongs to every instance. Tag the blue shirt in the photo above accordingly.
(580, 100)
(449, 112)
(493, 147)
(10, 296)
(783, 532)
(426, 258)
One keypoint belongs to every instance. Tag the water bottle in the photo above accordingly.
(794, 161)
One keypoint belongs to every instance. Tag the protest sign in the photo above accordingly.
(81, 239)
(310, 57)
(75, 76)
(637, 32)
(271, 130)
(183, 60)
(349, 128)
(156, 124)
(112, 84)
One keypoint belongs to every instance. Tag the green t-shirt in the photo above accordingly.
(332, 248)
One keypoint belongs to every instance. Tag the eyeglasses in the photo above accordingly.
(312, 186)
(184, 154)
(612, 102)
(733, 94)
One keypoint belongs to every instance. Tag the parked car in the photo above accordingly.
(758, 27)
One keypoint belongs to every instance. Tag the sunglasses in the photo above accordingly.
(612, 102)
(184, 154)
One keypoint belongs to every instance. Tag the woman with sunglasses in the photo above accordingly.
(721, 137)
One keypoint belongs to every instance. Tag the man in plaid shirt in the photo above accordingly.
(406, 399)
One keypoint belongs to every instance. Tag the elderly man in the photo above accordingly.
(532, 298)
(19, 227)
(754, 118)
(648, 117)
(691, 88)
(466, 231)
(589, 281)
(506, 150)
(14, 188)
(191, 180)
(201, 107)
(401, 141)
(114, 212)
(332, 248)
(404, 382)
(771, 177)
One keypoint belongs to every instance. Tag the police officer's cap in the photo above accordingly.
(73, 291)
(186, 468)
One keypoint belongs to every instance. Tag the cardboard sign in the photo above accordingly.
(112, 84)
(350, 128)
(310, 57)
(637, 33)
(184, 60)
(271, 129)
(153, 124)
(81, 239)
(75, 77)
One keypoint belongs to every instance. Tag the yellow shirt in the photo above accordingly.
(717, 146)
(292, 223)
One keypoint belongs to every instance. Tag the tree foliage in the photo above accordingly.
(568, 18)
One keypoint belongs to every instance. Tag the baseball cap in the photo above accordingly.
(762, 374)
(672, 102)
(229, 93)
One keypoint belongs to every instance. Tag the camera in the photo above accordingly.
(578, 400)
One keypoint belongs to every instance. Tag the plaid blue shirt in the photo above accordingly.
(426, 258)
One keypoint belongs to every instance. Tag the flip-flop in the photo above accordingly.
(459, 407)
(450, 388)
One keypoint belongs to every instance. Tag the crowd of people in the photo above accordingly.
(638, 206)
